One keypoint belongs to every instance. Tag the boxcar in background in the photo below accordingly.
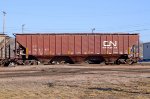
(78, 48)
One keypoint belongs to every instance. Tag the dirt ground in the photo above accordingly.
(75, 82)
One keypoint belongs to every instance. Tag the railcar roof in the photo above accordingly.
(147, 43)
(76, 33)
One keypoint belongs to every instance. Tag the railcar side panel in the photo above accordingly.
(133, 42)
(46, 45)
(58, 44)
(125, 45)
(22, 39)
(121, 44)
(78, 45)
(97, 44)
(110, 48)
(85, 44)
(91, 44)
(52, 44)
(65, 45)
(40, 45)
(115, 49)
(104, 44)
(29, 43)
(71, 44)
(110, 44)
(34, 44)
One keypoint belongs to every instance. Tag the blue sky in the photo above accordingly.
(131, 16)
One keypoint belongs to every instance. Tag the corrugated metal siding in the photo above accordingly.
(146, 49)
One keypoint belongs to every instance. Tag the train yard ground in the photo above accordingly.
(75, 82)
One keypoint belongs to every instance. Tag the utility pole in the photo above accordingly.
(23, 28)
(4, 14)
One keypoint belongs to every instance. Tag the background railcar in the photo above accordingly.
(77, 48)
(6, 48)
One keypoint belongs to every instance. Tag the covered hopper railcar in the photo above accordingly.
(6, 49)
(77, 48)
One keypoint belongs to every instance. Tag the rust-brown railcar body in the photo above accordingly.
(59, 48)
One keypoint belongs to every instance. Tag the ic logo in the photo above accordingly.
(109, 43)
